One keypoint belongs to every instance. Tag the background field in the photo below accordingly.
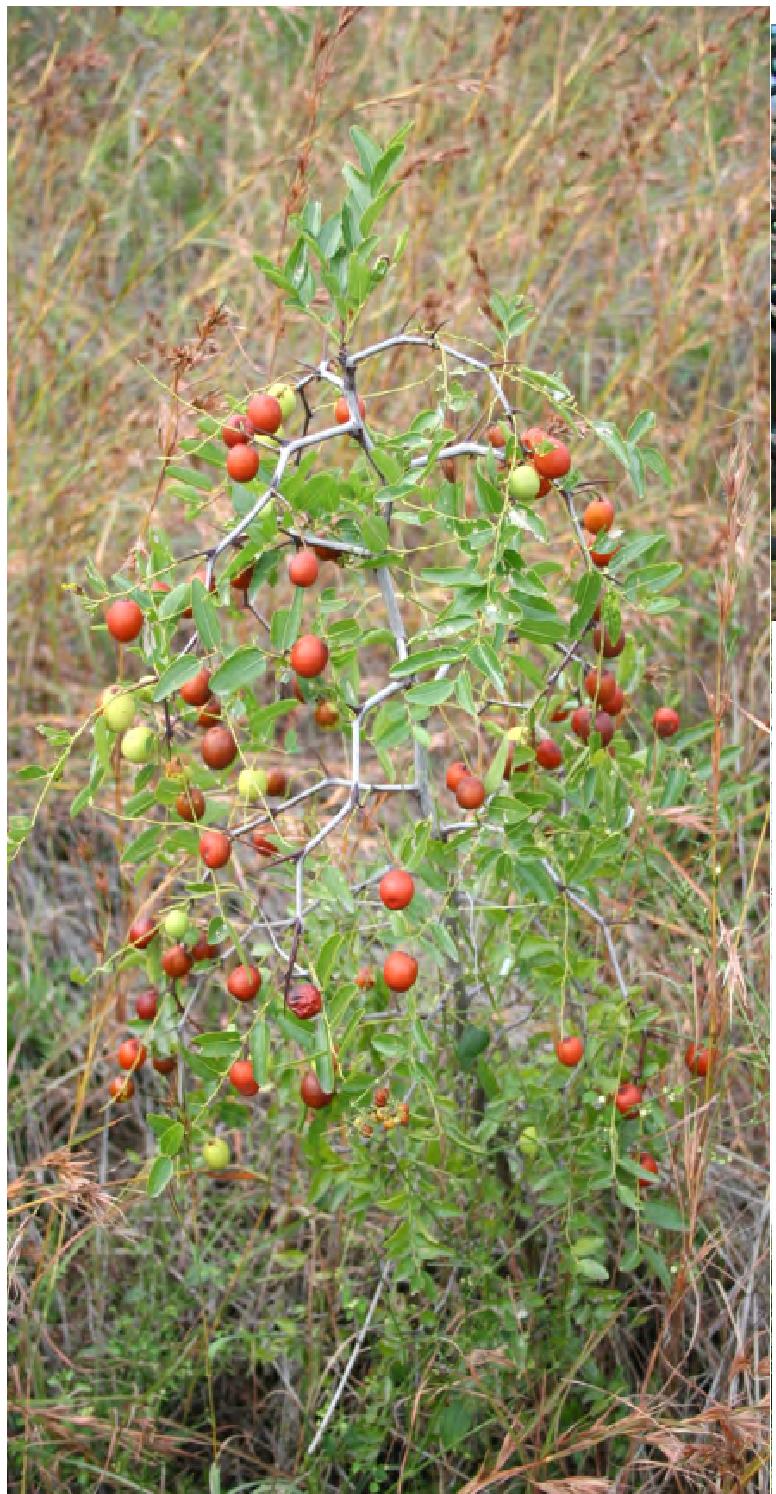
(611, 164)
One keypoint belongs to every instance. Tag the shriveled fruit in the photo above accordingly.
(326, 715)
(403, 1114)
(196, 690)
(264, 844)
(218, 747)
(455, 773)
(548, 754)
(665, 721)
(147, 1004)
(342, 413)
(603, 644)
(242, 463)
(309, 656)
(311, 1093)
(598, 515)
(396, 889)
(264, 413)
(190, 804)
(142, 931)
(569, 1051)
(400, 970)
(448, 468)
(241, 1076)
(303, 568)
(365, 979)
(121, 1089)
(382, 1096)
(132, 1054)
(176, 962)
(124, 620)
(305, 1001)
(470, 792)
(628, 1099)
(244, 982)
(215, 848)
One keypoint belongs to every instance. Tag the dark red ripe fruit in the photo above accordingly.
(264, 413)
(495, 436)
(264, 844)
(365, 979)
(142, 931)
(305, 1002)
(303, 568)
(326, 715)
(324, 553)
(132, 1054)
(601, 688)
(147, 1004)
(665, 721)
(342, 413)
(215, 848)
(604, 725)
(561, 714)
(382, 1096)
(400, 971)
(190, 804)
(699, 1060)
(311, 1094)
(243, 579)
(598, 515)
(210, 713)
(202, 950)
(455, 773)
(448, 468)
(309, 656)
(628, 1099)
(601, 558)
(242, 463)
(165, 1065)
(617, 702)
(218, 748)
(237, 430)
(244, 983)
(647, 1163)
(121, 1089)
(569, 1051)
(604, 645)
(124, 620)
(548, 754)
(581, 722)
(470, 792)
(241, 1076)
(396, 889)
(277, 783)
(176, 962)
(196, 690)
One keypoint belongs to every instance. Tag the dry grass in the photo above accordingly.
(608, 163)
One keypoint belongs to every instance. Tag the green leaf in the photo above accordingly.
(260, 1050)
(431, 658)
(327, 956)
(205, 617)
(610, 437)
(285, 623)
(369, 152)
(431, 694)
(586, 595)
(643, 423)
(190, 477)
(592, 1270)
(238, 669)
(218, 1044)
(664, 1214)
(171, 1139)
(159, 1176)
(472, 1042)
(495, 774)
(176, 675)
(87, 793)
(374, 532)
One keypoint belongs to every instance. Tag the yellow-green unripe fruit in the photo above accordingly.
(138, 745)
(285, 397)
(524, 483)
(252, 784)
(118, 708)
(176, 923)
(216, 1154)
(528, 1142)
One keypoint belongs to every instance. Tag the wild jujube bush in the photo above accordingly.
(375, 753)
